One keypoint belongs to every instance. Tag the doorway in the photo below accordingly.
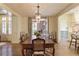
(40, 25)
(62, 28)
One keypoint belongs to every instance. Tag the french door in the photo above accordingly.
(40, 25)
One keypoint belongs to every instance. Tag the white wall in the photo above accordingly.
(19, 24)
(15, 30)
(24, 24)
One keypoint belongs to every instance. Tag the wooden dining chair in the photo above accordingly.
(22, 38)
(74, 39)
(53, 37)
(38, 47)
(26, 51)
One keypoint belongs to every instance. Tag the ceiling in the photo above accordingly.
(29, 9)
(74, 10)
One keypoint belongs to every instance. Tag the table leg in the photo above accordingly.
(53, 51)
(23, 52)
(28, 52)
(75, 44)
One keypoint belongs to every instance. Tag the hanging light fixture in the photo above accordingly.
(37, 15)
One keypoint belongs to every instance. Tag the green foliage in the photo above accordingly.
(37, 33)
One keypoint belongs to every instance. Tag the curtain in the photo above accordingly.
(30, 27)
(0, 24)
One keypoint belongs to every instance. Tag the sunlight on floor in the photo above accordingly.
(62, 49)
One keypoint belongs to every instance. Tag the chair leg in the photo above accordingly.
(78, 49)
(53, 51)
(70, 43)
(23, 52)
(29, 52)
(75, 44)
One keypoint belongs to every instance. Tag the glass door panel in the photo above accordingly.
(41, 25)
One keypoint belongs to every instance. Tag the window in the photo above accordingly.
(10, 25)
(6, 24)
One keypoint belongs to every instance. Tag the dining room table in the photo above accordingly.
(28, 45)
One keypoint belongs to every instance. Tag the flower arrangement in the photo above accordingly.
(37, 33)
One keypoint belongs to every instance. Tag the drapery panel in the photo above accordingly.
(30, 26)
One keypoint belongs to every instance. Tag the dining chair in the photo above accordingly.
(53, 37)
(74, 39)
(22, 38)
(26, 52)
(38, 47)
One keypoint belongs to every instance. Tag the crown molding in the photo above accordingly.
(69, 7)
(9, 9)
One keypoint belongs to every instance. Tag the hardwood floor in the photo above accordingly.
(16, 50)
(62, 49)
(5, 49)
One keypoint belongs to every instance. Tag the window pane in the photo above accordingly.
(4, 25)
(41, 25)
(10, 25)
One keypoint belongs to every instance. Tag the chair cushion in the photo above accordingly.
(49, 50)
(38, 53)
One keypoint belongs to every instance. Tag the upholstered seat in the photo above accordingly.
(38, 47)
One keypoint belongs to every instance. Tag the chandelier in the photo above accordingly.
(37, 15)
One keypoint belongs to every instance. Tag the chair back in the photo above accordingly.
(53, 37)
(73, 36)
(23, 37)
(38, 44)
